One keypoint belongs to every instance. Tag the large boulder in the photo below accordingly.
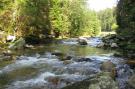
(111, 41)
(82, 41)
(131, 81)
(108, 66)
(19, 44)
(103, 81)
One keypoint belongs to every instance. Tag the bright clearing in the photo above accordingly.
(101, 4)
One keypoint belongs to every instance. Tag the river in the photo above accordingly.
(38, 68)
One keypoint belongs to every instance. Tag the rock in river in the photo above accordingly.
(58, 53)
(103, 81)
(108, 66)
(19, 44)
(98, 81)
(114, 45)
(131, 81)
(82, 41)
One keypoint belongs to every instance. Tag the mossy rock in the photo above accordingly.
(19, 44)
(103, 81)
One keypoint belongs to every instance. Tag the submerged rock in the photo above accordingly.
(103, 81)
(82, 41)
(19, 44)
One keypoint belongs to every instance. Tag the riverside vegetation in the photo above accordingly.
(42, 46)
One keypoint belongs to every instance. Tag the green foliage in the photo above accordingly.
(31, 16)
(40, 18)
(72, 18)
(126, 22)
(77, 8)
(5, 15)
(126, 16)
(59, 15)
(114, 27)
(108, 19)
(92, 23)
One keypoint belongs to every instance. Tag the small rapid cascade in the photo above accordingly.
(95, 41)
(47, 71)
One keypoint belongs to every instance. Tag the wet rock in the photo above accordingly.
(67, 62)
(54, 80)
(100, 45)
(83, 59)
(29, 46)
(19, 44)
(131, 81)
(97, 81)
(57, 53)
(82, 41)
(103, 81)
(67, 58)
(114, 45)
(108, 66)
(111, 41)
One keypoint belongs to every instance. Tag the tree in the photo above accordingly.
(126, 22)
(31, 16)
(40, 18)
(107, 18)
(6, 15)
(92, 23)
(59, 14)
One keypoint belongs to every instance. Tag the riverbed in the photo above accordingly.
(39, 68)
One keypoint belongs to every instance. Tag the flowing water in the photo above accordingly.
(37, 68)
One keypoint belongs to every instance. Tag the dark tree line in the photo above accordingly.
(126, 22)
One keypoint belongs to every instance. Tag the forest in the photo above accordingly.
(65, 18)
(64, 44)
